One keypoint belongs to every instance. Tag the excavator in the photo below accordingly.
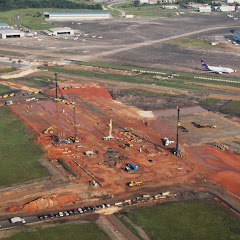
(48, 130)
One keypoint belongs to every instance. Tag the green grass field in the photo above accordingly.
(6, 70)
(199, 42)
(232, 107)
(18, 153)
(211, 101)
(183, 81)
(5, 89)
(145, 10)
(85, 231)
(36, 23)
(198, 220)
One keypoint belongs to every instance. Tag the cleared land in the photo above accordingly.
(84, 231)
(19, 154)
(188, 220)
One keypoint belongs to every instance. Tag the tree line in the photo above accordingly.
(6, 5)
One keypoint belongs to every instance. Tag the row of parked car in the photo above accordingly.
(73, 212)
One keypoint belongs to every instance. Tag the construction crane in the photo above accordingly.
(61, 98)
(176, 150)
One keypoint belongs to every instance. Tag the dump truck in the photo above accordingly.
(133, 183)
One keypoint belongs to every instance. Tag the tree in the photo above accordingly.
(136, 3)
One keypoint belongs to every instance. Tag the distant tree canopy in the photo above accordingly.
(6, 5)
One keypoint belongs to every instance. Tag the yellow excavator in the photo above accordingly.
(48, 130)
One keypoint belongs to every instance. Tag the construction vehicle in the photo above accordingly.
(166, 141)
(9, 102)
(129, 144)
(132, 183)
(11, 94)
(48, 130)
(203, 125)
(5, 95)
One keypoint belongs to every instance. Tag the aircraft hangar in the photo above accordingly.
(10, 33)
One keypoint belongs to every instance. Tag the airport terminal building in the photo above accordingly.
(71, 16)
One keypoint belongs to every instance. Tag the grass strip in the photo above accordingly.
(83, 231)
(66, 167)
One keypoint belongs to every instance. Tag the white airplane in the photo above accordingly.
(218, 70)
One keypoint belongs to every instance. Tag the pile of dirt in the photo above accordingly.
(45, 203)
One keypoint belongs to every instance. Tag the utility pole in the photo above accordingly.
(110, 128)
(74, 122)
(56, 84)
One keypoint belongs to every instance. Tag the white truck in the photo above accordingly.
(15, 220)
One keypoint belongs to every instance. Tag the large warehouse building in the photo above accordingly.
(58, 31)
(10, 33)
(71, 16)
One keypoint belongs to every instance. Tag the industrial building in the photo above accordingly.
(236, 35)
(4, 25)
(10, 33)
(227, 9)
(205, 9)
(71, 16)
(170, 7)
(58, 31)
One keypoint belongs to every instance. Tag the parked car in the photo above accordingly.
(66, 213)
(60, 214)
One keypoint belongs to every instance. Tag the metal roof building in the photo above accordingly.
(4, 25)
(57, 31)
(10, 33)
(71, 16)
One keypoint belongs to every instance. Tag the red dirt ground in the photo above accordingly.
(93, 113)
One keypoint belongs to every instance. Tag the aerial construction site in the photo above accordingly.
(160, 128)
(97, 147)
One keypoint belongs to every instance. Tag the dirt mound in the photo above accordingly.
(45, 202)
(12, 209)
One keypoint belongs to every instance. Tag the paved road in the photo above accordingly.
(121, 11)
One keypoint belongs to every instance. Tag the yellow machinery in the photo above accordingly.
(11, 94)
(48, 130)
(6, 95)
(132, 183)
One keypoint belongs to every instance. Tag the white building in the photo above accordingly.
(205, 9)
(170, 7)
(233, 1)
(227, 8)
(4, 25)
(59, 31)
(236, 35)
(71, 16)
(10, 33)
